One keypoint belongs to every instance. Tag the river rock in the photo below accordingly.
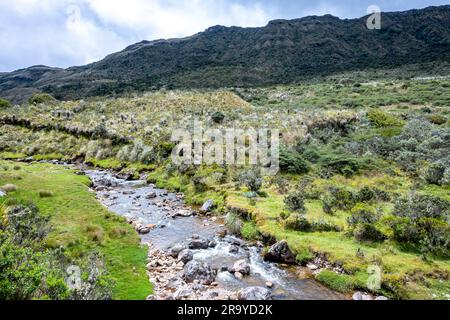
(185, 256)
(183, 213)
(254, 294)
(233, 249)
(207, 206)
(381, 298)
(281, 253)
(239, 275)
(176, 249)
(107, 182)
(199, 244)
(151, 195)
(242, 267)
(124, 176)
(269, 284)
(182, 293)
(202, 272)
(357, 296)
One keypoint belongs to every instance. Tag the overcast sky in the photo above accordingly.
(65, 33)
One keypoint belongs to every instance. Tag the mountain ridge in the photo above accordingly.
(283, 51)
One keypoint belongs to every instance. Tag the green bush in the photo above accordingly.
(422, 221)
(383, 119)
(368, 232)
(30, 270)
(435, 174)
(45, 194)
(297, 222)
(295, 202)
(437, 119)
(291, 162)
(341, 198)
(366, 194)
(341, 164)
(218, 117)
(251, 179)
(4, 104)
(41, 98)
(363, 214)
(362, 224)
(322, 225)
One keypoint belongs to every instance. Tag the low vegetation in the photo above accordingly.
(364, 180)
(44, 233)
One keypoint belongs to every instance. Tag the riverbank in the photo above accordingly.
(80, 224)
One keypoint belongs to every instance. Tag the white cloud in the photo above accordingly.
(73, 32)
(165, 19)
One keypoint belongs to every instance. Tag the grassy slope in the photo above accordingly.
(81, 224)
(397, 262)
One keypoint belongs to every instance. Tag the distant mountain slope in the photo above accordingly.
(284, 51)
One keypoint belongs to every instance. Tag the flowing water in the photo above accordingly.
(130, 199)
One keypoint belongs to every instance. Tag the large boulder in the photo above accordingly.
(242, 267)
(280, 253)
(254, 294)
(200, 271)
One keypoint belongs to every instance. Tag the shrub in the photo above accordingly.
(95, 234)
(100, 132)
(45, 194)
(322, 225)
(40, 98)
(27, 224)
(435, 173)
(341, 164)
(199, 182)
(327, 205)
(383, 119)
(4, 104)
(297, 222)
(251, 179)
(218, 117)
(295, 202)
(367, 232)
(362, 223)
(363, 214)
(341, 198)
(291, 162)
(282, 184)
(423, 221)
(437, 119)
(366, 194)
(233, 223)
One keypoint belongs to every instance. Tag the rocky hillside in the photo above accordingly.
(284, 51)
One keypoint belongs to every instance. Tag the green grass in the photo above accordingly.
(75, 214)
